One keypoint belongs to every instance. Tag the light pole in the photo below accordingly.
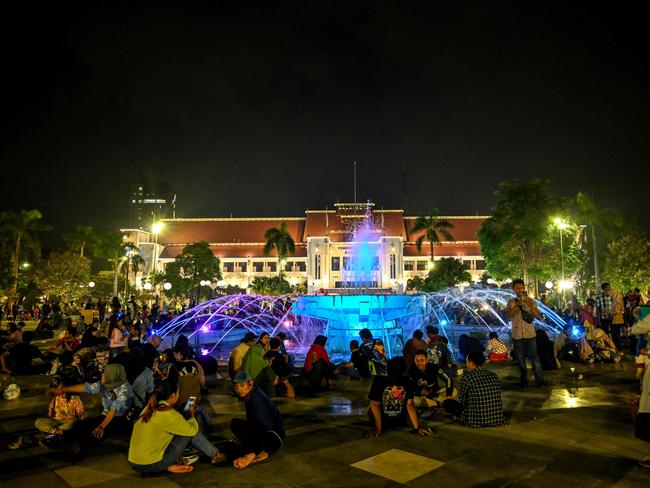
(156, 227)
(561, 226)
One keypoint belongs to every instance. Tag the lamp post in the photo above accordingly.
(156, 227)
(561, 226)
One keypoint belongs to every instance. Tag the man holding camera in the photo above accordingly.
(523, 311)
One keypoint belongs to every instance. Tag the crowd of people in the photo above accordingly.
(154, 395)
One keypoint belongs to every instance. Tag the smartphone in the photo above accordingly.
(190, 401)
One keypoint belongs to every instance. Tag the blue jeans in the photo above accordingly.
(175, 450)
(527, 348)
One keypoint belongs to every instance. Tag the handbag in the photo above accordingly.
(526, 315)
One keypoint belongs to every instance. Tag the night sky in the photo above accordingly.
(260, 108)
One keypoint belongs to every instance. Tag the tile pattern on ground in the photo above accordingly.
(398, 465)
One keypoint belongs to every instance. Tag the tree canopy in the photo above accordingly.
(64, 275)
(195, 263)
(433, 228)
(279, 239)
(447, 272)
(628, 264)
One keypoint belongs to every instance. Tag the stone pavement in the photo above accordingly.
(575, 432)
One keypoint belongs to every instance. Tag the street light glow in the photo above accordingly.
(147, 286)
(157, 227)
(167, 286)
(91, 284)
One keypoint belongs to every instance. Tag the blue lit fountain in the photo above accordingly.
(217, 325)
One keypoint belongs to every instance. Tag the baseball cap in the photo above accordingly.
(242, 377)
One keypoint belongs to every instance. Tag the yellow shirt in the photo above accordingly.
(150, 440)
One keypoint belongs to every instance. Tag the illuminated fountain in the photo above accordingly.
(217, 325)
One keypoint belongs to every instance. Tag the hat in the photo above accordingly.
(242, 377)
(249, 337)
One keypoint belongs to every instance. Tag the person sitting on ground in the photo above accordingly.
(20, 358)
(150, 349)
(357, 367)
(68, 342)
(116, 337)
(318, 366)
(65, 410)
(496, 349)
(264, 341)
(281, 336)
(15, 333)
(424, 389)
(433, 334)
(140, 376)
(438, 353)
(261, 434)
(388, 401)
(259, 369)
(161, 434)
(135, 335)
(604, 348)
(117, 397)
(479, 401)
(90, 336)
(238, 353)
(280, 366)
(571, 345)
(163, 367)
(44, 329)
(467, 344)
(413, 345)
(545, 351)
(373, 350)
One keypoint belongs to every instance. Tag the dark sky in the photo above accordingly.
(259, 108)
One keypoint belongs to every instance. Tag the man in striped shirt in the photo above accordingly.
(604, 308)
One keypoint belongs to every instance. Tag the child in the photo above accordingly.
(496, 349)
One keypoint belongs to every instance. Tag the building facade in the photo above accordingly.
(331, 251)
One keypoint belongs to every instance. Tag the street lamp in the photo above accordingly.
(91, 284)
(156, 227)
(167, 286)
(561, 225)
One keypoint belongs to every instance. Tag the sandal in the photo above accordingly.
(17, 444)
(645, 463)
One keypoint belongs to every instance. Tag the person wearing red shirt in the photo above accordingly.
(318, 366)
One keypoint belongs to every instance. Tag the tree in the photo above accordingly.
(21, 230)
(433, 228)
(64, 275)
(82, 239)
(628, 264)
(608, 221)
(273, 285)
(112, 247)
(134, 261)
(195, 263)
(521, 239)
(448, 272)
(281, 241)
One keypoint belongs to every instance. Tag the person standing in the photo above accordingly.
(523, 311)
(618, 320)
(604, 308)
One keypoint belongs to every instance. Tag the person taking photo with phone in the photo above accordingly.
(161, 434)
(522, 311)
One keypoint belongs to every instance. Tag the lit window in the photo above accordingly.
(408, 265)
(336, 263)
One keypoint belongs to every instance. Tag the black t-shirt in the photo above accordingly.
(278, 363)
(22, 354)
(391, 393)
(360, 363)
(418, 380)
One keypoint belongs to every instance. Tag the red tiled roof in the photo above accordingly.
(465, 228)
(186, 231)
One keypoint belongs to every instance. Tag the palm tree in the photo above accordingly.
(22, 231)
(281, 241)
(433, 228)
(607, 220)
(82, 238)
(112, 247)
(134, 263)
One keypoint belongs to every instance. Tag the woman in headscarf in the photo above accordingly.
(117, 397)
(259, 368)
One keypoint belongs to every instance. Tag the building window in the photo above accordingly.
(288, 266)
(273, 267)
(408, 265)
(301, 266)
(375, 264)
(346, 263)
(229, 267)
(336, 263)
(392, 266)
(480, 264)
(317, 266)
(422, 265)
(467, 264)
(258, 267)
(243, 267)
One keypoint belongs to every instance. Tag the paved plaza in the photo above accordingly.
(576, 432)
